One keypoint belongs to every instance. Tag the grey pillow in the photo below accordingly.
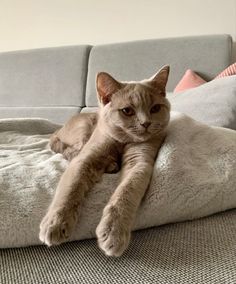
(213, 103)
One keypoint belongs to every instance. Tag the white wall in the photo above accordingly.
(26, 24)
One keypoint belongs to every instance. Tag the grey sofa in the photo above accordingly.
(56, 83)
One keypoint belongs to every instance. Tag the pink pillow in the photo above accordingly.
(188, 81)
(231, 70)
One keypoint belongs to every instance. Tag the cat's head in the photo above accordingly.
(134, 111)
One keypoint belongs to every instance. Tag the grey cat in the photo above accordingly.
(127, 131)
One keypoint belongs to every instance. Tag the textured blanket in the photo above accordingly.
(194, 176)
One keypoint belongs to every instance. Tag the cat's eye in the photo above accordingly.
(128, 111)
(156, 108)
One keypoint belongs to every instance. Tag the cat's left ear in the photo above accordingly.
(159, 80)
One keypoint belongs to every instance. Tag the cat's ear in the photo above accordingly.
(159, 80)
(106, 87)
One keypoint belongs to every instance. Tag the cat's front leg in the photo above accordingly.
(56, 227)
(82, 173)
(114, 229)
(62, 215)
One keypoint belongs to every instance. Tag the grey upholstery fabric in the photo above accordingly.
(89, 109)
(55, 114)
(44, 77)
(213, 103)
(207, 55)
(201, 251)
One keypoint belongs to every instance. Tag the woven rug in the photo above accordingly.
(200, 251)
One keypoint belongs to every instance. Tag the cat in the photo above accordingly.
(127, 132)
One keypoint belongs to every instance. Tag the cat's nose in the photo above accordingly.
(146, 124)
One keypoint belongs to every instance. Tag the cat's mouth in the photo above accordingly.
(146, 132)
(143, 133)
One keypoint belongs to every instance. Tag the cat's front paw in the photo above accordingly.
(56, 227)
(112, 233)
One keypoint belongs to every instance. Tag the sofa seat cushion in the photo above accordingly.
(55, 114)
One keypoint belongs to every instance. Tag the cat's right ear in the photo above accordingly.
(106, 86)
(159, 80)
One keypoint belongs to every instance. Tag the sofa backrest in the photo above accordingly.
(56, 83)
(207, 55)
(47, 82)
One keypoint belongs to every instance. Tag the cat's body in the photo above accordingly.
(71, 138)
(130, 126)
